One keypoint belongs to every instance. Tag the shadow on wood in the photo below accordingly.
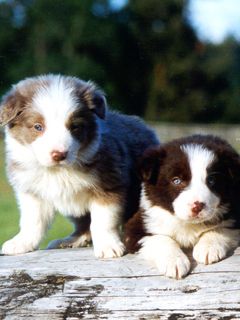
(72, 284)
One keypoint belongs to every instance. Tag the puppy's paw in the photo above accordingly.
(71, 242)
(16, 245)
(174, 266)
(109, 248)
(209, 253)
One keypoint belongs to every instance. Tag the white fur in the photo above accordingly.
(82, 241)
(199, 160)
(211, 243)
(42, 187)
(104, 226)
(55, 102)
(145, 203)
(166, 255)
(214, 245)
(210, 239)
(162, 222)
(64, 187)
(36, 215)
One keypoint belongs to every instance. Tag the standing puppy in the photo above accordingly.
(66, 152)
(190, 199)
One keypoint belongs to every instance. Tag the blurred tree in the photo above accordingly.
(145, 55)
(188, 81)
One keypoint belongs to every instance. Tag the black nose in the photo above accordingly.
(58, 155)
(197, 208)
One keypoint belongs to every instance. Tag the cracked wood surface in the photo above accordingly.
(73, 284)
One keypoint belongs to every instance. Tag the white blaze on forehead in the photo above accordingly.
(199, 159)
(55, 99)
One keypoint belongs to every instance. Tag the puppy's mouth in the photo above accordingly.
(64, 163)
(50, 163)
(212, 214)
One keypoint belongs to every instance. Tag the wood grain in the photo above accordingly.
(73, 284)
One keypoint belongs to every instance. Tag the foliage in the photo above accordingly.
(145, 55)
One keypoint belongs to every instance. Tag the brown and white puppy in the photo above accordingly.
(66, 152)
(190, 199)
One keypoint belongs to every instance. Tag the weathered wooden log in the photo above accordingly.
(73, 284)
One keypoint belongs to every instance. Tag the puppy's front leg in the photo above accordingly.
(105, 222)
(214, 245)
(166, 254)
(35, 218)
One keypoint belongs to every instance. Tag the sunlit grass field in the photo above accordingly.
(9, 216)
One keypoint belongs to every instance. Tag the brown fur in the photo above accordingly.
(160, 165)
(93, 99)
(110, 161)
(157, 174)
(134, 231)
(82, 126)
(18, 99)
(22, 127)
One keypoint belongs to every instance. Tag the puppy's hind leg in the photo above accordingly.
(81, 237)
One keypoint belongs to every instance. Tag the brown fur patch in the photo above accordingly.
(92, 98)
(19, 98)
(109, 198)
(22, 127)
(12, 105)
(82, 125)
(111, 164)
(134, 231)
(159, 167)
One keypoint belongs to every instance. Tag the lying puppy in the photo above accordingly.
(190, 199)
(66, 152)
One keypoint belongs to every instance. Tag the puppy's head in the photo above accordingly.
(197, 181)
(56, 117)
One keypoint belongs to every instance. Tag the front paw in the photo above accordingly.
(16, 245)
(174, 266)
(209, 253)
(109, 248)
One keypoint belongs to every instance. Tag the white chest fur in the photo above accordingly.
(66, 189)
(161, 222)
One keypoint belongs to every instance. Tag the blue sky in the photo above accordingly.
(215, 19)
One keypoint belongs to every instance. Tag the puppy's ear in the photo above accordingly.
(150, 163)
(94, 99)
(11, 106)
(233, 166)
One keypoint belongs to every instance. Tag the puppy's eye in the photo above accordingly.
(38, 127)
(75, 127)
(211, 180)
(176, 181)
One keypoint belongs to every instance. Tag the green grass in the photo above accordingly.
(9, 214)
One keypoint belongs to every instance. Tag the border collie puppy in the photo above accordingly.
(66, 152)
(190, 199)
